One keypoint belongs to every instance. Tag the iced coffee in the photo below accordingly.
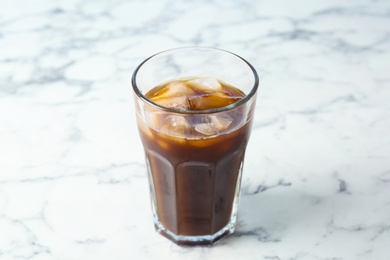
(194, 130)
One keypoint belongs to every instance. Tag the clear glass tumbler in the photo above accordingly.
(195, 177)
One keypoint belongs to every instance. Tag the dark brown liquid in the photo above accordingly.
(195, 174)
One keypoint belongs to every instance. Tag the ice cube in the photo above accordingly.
(176, 102)
(175, 125)
(154, 118)
(208, 84)
(210, 101)
(220, 122)
(206, 129)
(173, 89)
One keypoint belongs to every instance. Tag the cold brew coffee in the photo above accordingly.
(195, 160)
(195, 129)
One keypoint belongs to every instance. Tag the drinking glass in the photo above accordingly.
(194, 168)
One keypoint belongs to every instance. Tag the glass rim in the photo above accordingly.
(245, 99)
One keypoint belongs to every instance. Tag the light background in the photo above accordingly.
(316, 183)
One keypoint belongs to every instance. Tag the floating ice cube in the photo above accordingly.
(206, 129)
(176, 102)
(175, 125)
(209, 84)
(210, 101)
(154, 118)
(220, 122)
(174, 88)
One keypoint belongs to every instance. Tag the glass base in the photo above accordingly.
(206, 240)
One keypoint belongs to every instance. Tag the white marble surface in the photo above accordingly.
(316, 183)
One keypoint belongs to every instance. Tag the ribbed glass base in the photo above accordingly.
(206, 240)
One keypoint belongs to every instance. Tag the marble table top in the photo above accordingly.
(316, 182)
